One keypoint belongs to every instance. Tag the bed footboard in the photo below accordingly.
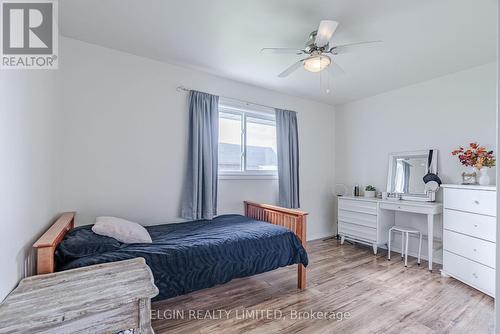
(294, 220)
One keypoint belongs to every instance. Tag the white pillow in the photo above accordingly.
(122, 230)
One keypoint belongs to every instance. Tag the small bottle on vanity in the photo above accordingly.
(356, 190)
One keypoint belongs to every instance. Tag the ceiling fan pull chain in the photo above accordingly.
(328, 84)
(321, 81)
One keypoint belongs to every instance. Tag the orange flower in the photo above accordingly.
(475, 156)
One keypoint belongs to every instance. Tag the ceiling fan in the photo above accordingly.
(318, 50)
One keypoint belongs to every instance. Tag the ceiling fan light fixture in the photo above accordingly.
(317, 63)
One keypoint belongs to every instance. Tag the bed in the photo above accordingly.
(189, 256)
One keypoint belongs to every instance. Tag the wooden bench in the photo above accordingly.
(103, 298)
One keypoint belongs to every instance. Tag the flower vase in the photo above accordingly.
(483, 178)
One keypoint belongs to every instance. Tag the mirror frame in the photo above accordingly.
(412, 197)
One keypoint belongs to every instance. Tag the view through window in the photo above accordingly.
(247, 142)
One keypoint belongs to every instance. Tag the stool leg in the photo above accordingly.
(389, 245)
(419, 247)
(402, 245)
(406, 249)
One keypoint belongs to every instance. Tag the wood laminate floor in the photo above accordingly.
(373, 294)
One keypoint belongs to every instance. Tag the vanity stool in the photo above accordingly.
(405, 233)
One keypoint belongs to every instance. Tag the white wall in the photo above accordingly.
(125, 136)
(443, 113)
(28, 204)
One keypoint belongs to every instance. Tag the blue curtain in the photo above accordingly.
(200, 191)
(288, 158)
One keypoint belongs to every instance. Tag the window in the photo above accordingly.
(247, 142)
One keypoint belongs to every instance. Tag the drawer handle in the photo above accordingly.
(475, 250)
(475, 225)
(476, 202)
(474, 274)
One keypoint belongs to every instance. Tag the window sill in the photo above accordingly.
(248, 176)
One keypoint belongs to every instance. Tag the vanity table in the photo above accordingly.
(368, 220)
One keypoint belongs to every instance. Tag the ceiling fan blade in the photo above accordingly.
(291, 69)
(345, 48)
(325, 32)
(281, 51)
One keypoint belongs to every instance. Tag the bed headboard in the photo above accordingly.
(48, 242)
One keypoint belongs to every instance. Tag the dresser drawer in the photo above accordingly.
(359, 218)
(357, 231)
(472, 248)
(478, 226)
(475, 201)
(358, 206)
(470, 272)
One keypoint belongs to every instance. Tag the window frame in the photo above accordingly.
(246, 113)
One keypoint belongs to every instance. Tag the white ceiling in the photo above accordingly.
(423, 39)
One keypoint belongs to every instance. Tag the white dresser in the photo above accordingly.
(360, 220)
(469, 236)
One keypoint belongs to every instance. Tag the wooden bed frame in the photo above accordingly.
(46, 245)
(294, 220)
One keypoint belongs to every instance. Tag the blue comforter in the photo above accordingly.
(185, 257)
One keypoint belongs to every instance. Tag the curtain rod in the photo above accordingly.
(184, 89)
